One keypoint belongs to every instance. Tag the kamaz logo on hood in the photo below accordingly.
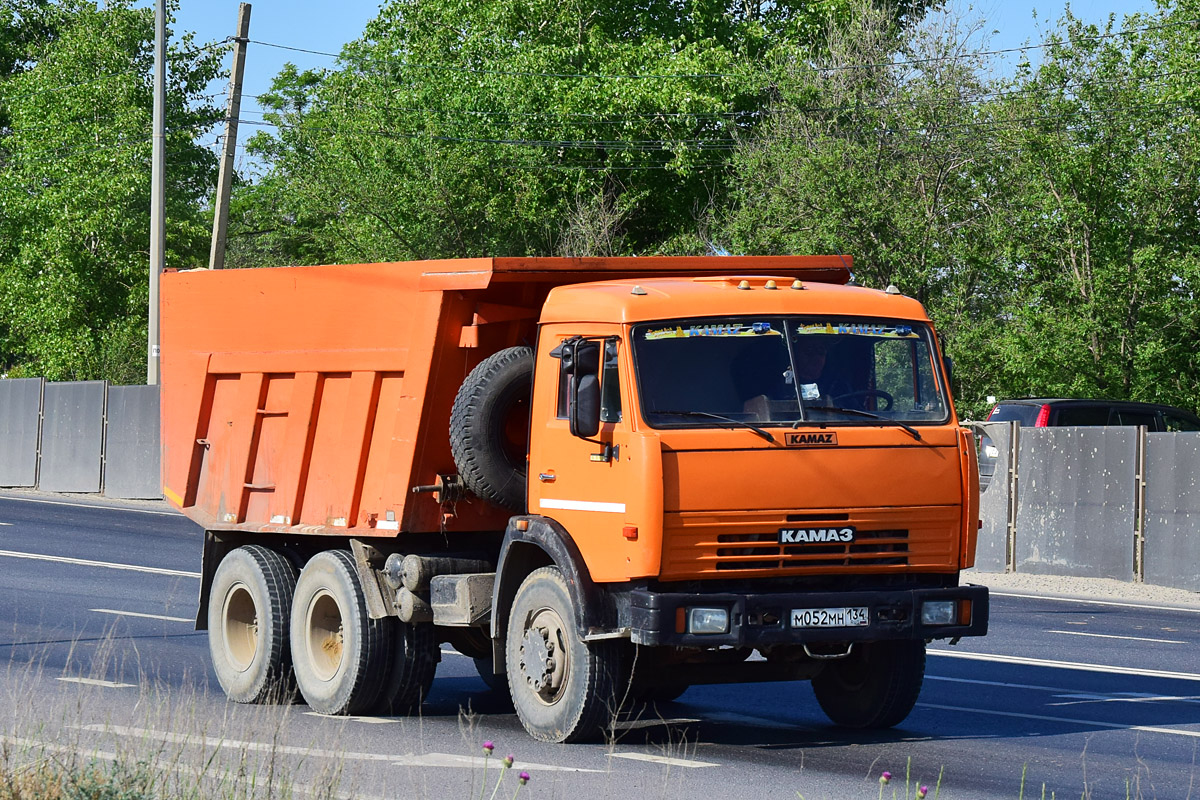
(810, 535)
(811, 439)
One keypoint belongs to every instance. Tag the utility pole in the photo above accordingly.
(158, 185)
(216, 256)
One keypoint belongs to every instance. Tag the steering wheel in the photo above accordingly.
(865, 394)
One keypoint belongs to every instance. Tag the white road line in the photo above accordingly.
(6, 524)
(366, 720)
(136, 614)
(1117, 603)
(107, 565)
(1042, 662)
(1124, 697)
(1113, 636)
(87, 505)
(1065, 720)
(654, 722)
(405, 760)
(94, 682)
(671, 762)
(1060, 691)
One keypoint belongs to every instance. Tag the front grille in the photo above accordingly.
(707, 544)
(869, 547)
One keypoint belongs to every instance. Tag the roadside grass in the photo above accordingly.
(78, 744)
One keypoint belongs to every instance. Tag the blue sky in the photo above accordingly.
(326, 26)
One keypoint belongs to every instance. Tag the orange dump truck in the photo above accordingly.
(605, 480)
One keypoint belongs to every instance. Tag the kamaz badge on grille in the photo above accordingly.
(810, 535)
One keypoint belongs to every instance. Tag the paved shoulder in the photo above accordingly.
(1099, 589)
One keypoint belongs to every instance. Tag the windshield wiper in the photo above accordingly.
(916, 434)
(738, 422)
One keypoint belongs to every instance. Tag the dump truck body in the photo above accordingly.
(566, 468)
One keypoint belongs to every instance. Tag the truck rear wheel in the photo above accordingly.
(414, 660)
(562, 687)
(341, 655)
(876, 686)
(489, 427)
(249, 609)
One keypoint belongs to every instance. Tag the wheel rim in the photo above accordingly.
(545, 664)
(323, 635)
(240, 625)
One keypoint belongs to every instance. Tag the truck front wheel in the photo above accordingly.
(249, 607)
(341, 655)
(562, 687)
(876, 686)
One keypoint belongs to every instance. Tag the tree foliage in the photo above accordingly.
(520, 127)
(1046, 220)
(75, 142)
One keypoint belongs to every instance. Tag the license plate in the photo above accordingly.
(829, 617)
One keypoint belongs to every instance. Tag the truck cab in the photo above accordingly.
(756, 463)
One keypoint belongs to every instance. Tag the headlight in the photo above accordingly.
(938, 612)
(708, 620)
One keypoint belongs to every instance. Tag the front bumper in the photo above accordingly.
(764, 619)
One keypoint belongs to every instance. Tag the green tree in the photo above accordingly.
(75, 145)
(871, 148)
(516, 127)
(1103, 153)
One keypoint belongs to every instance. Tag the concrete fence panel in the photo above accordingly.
(20, 428)
(1076, 502)
(1172, 510)
(996, 438)
(73, 437)
(131, 449)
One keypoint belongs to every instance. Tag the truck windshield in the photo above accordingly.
(783, 370)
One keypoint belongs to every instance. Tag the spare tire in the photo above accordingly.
(489, 427)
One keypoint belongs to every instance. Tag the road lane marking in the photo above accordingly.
(82, 562)
(94, 682)
(1060, 691)
(1124, 697)
(671, 762)
(405, 760)
(367, 720)
(1065, 720)
(1114, 636)
(1042, 662)
(635, 724)
(6, 524)
(144, 616)
(1117, 603)
(87, 505)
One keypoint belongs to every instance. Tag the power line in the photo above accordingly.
(975, 54)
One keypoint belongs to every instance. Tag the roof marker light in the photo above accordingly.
(744, 285)
(891, 289)
(797, 284)
(770, 285)
(638, 290)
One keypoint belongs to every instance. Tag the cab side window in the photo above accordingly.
(610, 383)
(610, 386)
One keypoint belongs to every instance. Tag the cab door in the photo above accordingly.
(605, 489)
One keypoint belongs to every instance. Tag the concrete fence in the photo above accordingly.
(83, 436)
(1115, 502)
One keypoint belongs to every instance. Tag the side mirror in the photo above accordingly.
(948, 364)
(581, 360)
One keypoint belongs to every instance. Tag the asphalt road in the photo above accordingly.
(1065, 697)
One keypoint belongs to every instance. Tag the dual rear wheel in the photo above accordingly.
(273, 631)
